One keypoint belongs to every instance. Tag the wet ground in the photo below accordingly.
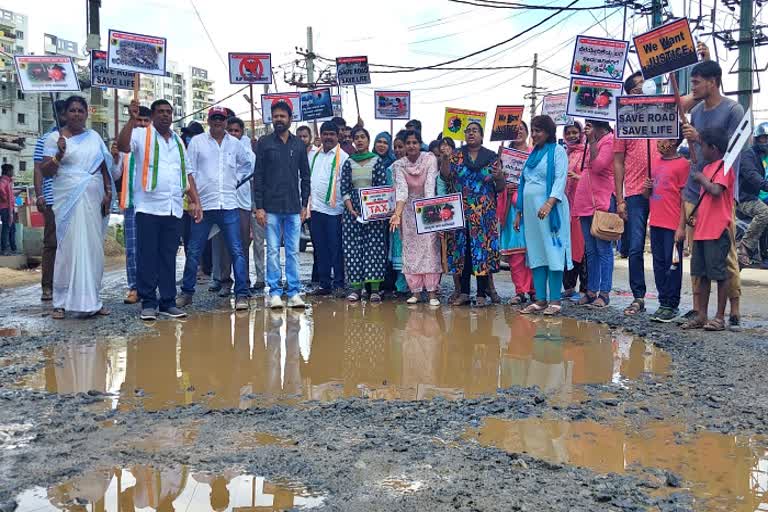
(378, 407)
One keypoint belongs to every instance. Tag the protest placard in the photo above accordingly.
(512, 163)
(647, 117)
(600, 58)
(555, 106)
(352, 71)
(338, 110)
(46, 73)
(439, 213)
(666, 49)
(136, 53)
(316, 104)
(593, 99)
(293, 100)
(737, 142)
(377, 203)
(506, 122)
(250, 68)
(102, 76)
(392, 104)
(456, 120)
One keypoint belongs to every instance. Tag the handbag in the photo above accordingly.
(605, 225)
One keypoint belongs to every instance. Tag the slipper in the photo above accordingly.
(532, 309)
(715, 324)
(602, 301)
(375, 297)
(353, 297)
(103, 312)
(462, 300)
(692, 324)
(637, 306)
(58, 314)
(553, 309)
(586, 299)
(517, 300)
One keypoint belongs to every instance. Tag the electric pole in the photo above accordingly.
(655, 22)
(745, 53)
(310, 58)
(533, 95)
(94, 43)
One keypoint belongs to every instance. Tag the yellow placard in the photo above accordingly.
(456, 120)
(666, 49)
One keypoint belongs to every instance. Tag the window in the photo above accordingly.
(19, 34)
(19, 94)
(21, 118)
(22, 165)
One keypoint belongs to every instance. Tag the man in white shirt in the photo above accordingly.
(160, 177)
(216, 161)
(325, 169)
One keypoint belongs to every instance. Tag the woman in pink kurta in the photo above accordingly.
(415, 177)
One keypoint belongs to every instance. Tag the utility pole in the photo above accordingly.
(94, 43)
(533, 87)
(745, 53)
(655, 22)
(310, 58)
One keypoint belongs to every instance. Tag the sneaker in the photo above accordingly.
(173, 312)
(258, 286)
(183, 300)
(296, 302)
(665, 315)
(148, 314)
(275, 302)
(226, 291)
(688, 316)
(215, 287)
(242, 303)
(47, 295)
(413, 299)
(434, 302)
(132, 297)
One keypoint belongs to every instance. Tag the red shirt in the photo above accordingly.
(6, 193)
(669, 178)
(635, 163)
(715, 214)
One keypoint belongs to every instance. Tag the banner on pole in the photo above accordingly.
(555, 106)
(46, 73)
(250, 68)
(456, 120)
(439, 213)
(666, 49)
(506, 122)
(352, 71)
(136, 53)
(737, 141)
(316, 104)
(291, 98)
(338, 109)
(593, 99)
(512, 162)
(392, 104)
(596, 57)
(377, 203)
(102, 76)
(647, 117)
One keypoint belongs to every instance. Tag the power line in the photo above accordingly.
(205, 29)
(512, 5)
(212, 104)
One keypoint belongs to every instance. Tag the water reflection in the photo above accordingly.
(391, 351)
(726, 473)
(143, 487)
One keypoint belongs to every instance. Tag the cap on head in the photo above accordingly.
(217, 111)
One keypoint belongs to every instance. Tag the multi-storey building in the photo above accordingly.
(201, 95)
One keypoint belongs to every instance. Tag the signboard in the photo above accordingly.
(377, 203)
(57, 46)
(352, 71)
(593, 99)
(316, 104)
(392, 104)
(506, 122)
(666, 49)
(456, 120)
(46, 73)
(439, 213)
(102, 76)
(600, 58)
(337, 107)
(512, 162)
(250, 68)
(647, 117)
(291, 98)
(136, 53)
(737, 141)
(555, 106)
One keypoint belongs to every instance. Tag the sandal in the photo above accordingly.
(532, 308)
(602, 301)
(553, 309)
(694, 323)
(481, 302)
(58, 314)
(637, 306)
(103, 312)
(375, 297)
(353, 297)
(734, 323)
(495, 297)
(461, 300)
(715, 324)
(587, 299)
(517, 300)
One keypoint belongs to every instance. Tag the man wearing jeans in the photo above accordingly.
(280, 194)
(216, 161)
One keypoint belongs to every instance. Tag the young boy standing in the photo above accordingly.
(711, 236)
(669, 173)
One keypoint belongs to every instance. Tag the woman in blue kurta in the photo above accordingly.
(543, 207)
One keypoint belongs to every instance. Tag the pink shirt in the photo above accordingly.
(715, 213)
(669, 178)
(6, 193)
(576, 154)
(597, 179)
(635, 163)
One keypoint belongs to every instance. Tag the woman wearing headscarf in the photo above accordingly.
(395, 242)
(513, 241)
(543, 206)
(576, 147)
(364, 243)
(475, 249)
(415, 178)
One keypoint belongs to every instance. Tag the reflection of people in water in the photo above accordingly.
(151, 367)
(157, 488)
(76, 368)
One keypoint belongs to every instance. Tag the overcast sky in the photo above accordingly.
(398, 32)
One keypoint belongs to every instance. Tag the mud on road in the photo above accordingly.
(377, 407)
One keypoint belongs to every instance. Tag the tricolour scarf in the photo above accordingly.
(533, 161)
(333, 179)
(148, 183)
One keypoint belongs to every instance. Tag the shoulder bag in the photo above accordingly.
(605, 225)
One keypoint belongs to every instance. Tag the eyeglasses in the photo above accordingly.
(471, 130)
(217, 117)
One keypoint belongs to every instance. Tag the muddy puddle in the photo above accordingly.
(182, 489)
(724, 473)
(388, 351)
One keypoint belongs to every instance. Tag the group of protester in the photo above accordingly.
(546, 227)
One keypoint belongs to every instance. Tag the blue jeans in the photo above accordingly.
(599, 255)
(289, 226)
(636, 225)
(229, 223)
(668, 281)
(157, 241)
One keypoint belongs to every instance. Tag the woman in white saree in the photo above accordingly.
(82, 190)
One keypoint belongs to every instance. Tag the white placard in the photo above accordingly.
(46, 73)
(377, 203)
(512, 162)
(439, 213)
(136, 53)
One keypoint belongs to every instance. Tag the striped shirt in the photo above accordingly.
(38, 157)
